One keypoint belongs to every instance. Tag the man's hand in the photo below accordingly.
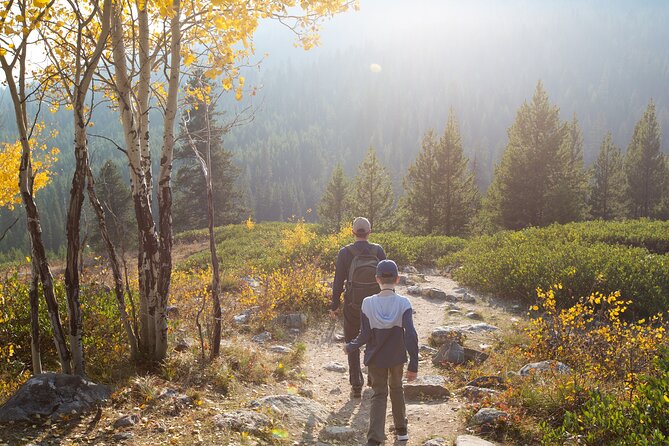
(411, 376)
(345, 348)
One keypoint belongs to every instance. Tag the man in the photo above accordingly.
(387, 330)
(356, 267)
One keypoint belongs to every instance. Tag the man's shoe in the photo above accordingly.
(402, 434)
(356, 392)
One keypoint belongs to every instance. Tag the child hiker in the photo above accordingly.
(387, 330)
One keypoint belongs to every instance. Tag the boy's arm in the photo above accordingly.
(410, 340)
(363, 336)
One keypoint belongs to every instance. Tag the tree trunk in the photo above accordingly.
(115, 265)
(34, 320)
(164, 184)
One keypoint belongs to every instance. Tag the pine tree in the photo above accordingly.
(335, 203)
(530, 166)
(190, 191)
(459, 196)
(115, 196)
(645, 167)
(422, 186)
(567, 196)
(607, 198)
(372, 193)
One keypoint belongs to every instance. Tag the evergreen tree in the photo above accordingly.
(422, 186)
(372, 193)
(459, 196)
(567, 197)
(190, 191)
(530, 166)
(115, 196)
(607, 198)
(334, 206)
(645, 167)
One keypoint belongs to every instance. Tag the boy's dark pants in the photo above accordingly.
(351, 330)
(382, 379)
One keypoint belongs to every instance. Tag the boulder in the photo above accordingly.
(295, 408)
(481, 327)
(470, 440)
(451, 352)
(476, 394)
(338, 433)
(292, 320)
(415, 290)
(182, 345)
(442, 335)
(489, 416)
(475, 355)
(126, 421)
(468, 298)
(53, 395)
(243, 421)
(429, 387)
(410, 269)
(436, 294)
(335, 367)
(489, 382)
(544, 366)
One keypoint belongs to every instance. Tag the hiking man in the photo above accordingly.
(387, 330)
(356, 268)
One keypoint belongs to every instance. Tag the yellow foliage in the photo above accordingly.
(43, 159)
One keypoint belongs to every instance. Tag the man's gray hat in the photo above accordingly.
(361, 226)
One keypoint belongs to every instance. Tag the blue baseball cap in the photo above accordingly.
(386, 268)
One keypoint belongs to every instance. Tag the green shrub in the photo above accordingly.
(417, 250)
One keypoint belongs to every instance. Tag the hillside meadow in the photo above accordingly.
(590, 294)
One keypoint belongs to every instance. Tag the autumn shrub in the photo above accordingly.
(294, 288)
(609, 418)
(512, 265)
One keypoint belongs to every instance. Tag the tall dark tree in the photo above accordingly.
(334, 207)
(568, 193)
(458, 197)
(422, 186)
(372, 194)
(190, 190)
(530, 166)
(645, 167)
(607, 197)
(114, 194)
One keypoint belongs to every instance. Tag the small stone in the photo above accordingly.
(292, 320)
(428, 387)
(307, 393)
(335, 391)
(489, 416)
(241, 319)
(441, 335)
(478, 328)
(410, 269)
(490, 382)
(281, 349)
(403, 280)
(470, 440)
(182, 345)
(123, 436)
(243, 421)
(468, 298)
(544, 366)
(338, 433)
(415, 290)
(335, 367)
(436, 442)
(436, 294)
(474, 315)
(262, 337)
(126, 421)
(454, 312)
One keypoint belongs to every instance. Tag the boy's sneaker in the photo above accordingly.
(402, 434)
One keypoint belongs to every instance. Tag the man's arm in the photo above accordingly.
(339, 279)
(363, 337)
(381, 253)
(410, 340)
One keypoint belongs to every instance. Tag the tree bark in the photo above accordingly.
(34, 320)
(115, 265)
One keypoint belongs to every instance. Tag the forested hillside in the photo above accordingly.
(600, 61)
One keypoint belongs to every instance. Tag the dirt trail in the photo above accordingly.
(426, 420)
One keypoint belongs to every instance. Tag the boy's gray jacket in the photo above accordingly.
(387, 330)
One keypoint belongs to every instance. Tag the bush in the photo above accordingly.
(417, 250)
(513, 265)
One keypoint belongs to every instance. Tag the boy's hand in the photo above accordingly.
(411, 376)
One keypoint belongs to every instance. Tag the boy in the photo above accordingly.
(387, 329)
